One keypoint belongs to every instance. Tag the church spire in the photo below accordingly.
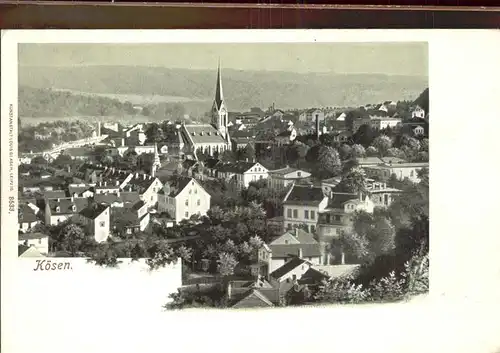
(156, 161)
(219, 96)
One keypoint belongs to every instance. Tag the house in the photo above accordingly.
(210, 166)
(141, 217)
(382, 123)
(289, 273)
(58, 210)
(281, 179)
(28, 251)
(286, 137)
(312, 115)
(80, 190)
(302, 205)
(183, 197)
(291, 244)
(401, 170)
(96, 220)
(147, 186)
(79, 153)
(27, 217)
(39, 241)
(241, 172)
(338, 215)
(381, 195)
(416, 129)
(328, 185)
(255, 293)
(417, 112)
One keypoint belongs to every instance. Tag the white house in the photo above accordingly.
(27, 217)
(182, 198)
(242, 172)
(96, 220)
(417, 113)
(401, 170)
(290, 272)
(280, 179)
(301, 206)
(58, 210)
(147, 186)
(381, 123)
(39, 241)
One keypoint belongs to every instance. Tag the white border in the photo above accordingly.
(465, 273)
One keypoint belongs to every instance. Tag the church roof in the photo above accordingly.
(205, 133)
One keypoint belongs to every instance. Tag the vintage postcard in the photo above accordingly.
(165, 171)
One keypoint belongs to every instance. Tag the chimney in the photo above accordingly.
(300, 253)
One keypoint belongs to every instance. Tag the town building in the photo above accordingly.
(280, 179)
(58, 210)
(286, 137)
(183, 197)
(95, 219)
(242, 173)
(301, 207)
(39, 241)
(417, 112)
(380, 194)
(291, 244)
(310, 116)
(401, 170)
(27, 217)
(147, 186)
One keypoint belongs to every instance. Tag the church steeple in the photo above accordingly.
(219, 109)
(219, 95)
(156, 161)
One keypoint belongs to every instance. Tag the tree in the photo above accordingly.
(131, 158)
(371, 151)
(365, 135)
(345, 151)
(39, 160)
(424, 145)
(328, 162)
(395, 152)
(153, 133)
(62, 161)
(354, 180)
(73, 238)
(227, 156)
(382, 143)
(226, 264)
(247, 153)
(358, 151)
(351, 245)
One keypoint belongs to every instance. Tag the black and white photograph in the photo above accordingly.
(272, 174)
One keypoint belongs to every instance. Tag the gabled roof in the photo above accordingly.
(174, 187)
(313, 276)
(287, 267)
(28, 251)
(238, 167)
(339, 199)
(54, 194)
(29, 236)
(292, 250)
(26, 214)
(93, 212)
(66, 205)
(305, 195)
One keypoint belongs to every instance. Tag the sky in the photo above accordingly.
(343, 58)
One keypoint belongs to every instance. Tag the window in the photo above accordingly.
(186, 214)
(198, 202)
(190, 191)
(289, 213)
(152, 198)
(299, 174)
(187, 202)
(102, 224)
(313, 215)
(260, 177)
(313, 228)
(288, 280)
(286, 241)
(295, 214)
(309, 258)
(129, 230)
(40, 241)
(306, 214)
(289, 226)
(254, 177)
(195, 191)
(411, 174)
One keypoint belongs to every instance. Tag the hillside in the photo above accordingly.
(242, 89)
(423, 100)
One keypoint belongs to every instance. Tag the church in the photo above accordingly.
(211, 139)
